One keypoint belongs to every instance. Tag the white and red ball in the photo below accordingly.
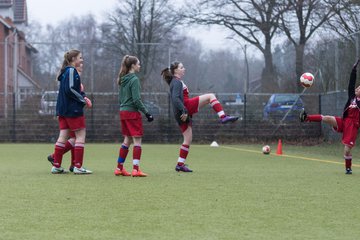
(266, 149)
(307, 80)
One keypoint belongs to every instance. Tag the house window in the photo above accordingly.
(6, 3)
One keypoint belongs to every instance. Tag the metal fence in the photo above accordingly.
(34, 120)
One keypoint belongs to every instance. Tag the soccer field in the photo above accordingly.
(235, 192)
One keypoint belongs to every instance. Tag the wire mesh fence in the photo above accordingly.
(261, 118)
(27, 113)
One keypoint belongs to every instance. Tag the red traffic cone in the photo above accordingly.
(279, 148)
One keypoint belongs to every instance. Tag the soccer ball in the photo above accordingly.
(266, 149)
(307, 80)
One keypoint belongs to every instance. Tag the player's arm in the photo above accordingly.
(135, 93)
(73, 77)
(352, 81)
(176, 93)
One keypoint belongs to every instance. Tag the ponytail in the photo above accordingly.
(167, 76)
(126, 64)
(168, 73)
(68, 59)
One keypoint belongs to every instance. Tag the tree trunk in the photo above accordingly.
(268, 81)
(299, 63)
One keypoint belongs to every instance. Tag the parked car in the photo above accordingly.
(283, 105)
(48, 103)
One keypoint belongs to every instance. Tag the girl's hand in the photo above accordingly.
(88, 102)
(184, 117)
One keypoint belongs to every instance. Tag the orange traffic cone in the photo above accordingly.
(279, 148)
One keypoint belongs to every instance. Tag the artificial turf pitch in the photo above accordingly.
(235, 192)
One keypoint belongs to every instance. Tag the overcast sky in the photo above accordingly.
(54, 11)
(51, 12)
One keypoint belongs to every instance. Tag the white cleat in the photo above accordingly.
(55, 170)
(81, 171)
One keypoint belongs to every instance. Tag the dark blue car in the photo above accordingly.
(283, 107)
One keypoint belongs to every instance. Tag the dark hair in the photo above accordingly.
(68, 58)
(168, 73)
(126, 64)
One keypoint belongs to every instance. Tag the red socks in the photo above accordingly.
(123, 152)
(215, 104)
(79, 154)
(58, 153)
(348, 160)
(314, 118)
(69, 145)
(184, 150)
(136, 156)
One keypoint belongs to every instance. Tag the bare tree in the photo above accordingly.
(347, 18)
(53, 41)
(142, 28)
(255, 21)
(301, 22)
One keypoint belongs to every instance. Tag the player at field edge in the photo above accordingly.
(69, 109)
(130, 117)
(184, 107)
(69, 146)
(348, 124)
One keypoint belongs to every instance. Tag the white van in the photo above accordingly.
(48, 103)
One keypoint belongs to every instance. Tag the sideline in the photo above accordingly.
(291, 156)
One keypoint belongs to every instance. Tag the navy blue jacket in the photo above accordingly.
(70, 101)
(351, 92)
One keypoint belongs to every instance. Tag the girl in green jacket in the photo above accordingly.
(130, 116)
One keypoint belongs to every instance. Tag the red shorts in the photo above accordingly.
(131, 124)
(192, 105)
(349, 128)
(72, 123)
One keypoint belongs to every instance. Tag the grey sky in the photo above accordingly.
(52, 12)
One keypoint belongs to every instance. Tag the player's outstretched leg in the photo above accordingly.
(211, 99)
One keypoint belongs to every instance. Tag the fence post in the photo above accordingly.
(244, 119)
(13, 134)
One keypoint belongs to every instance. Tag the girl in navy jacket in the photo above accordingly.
(69, 109)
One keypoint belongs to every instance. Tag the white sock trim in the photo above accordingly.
(136, 162)
(221, 113)
(182, 160)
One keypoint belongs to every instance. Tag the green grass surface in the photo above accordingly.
(235, 192)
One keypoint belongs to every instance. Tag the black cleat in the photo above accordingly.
(303, 116)
(183, 168)
(50, 158)
(348, 171)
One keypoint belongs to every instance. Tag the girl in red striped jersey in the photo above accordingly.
(185, 107)
(348, 124)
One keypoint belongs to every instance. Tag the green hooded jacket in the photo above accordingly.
(129, 94)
